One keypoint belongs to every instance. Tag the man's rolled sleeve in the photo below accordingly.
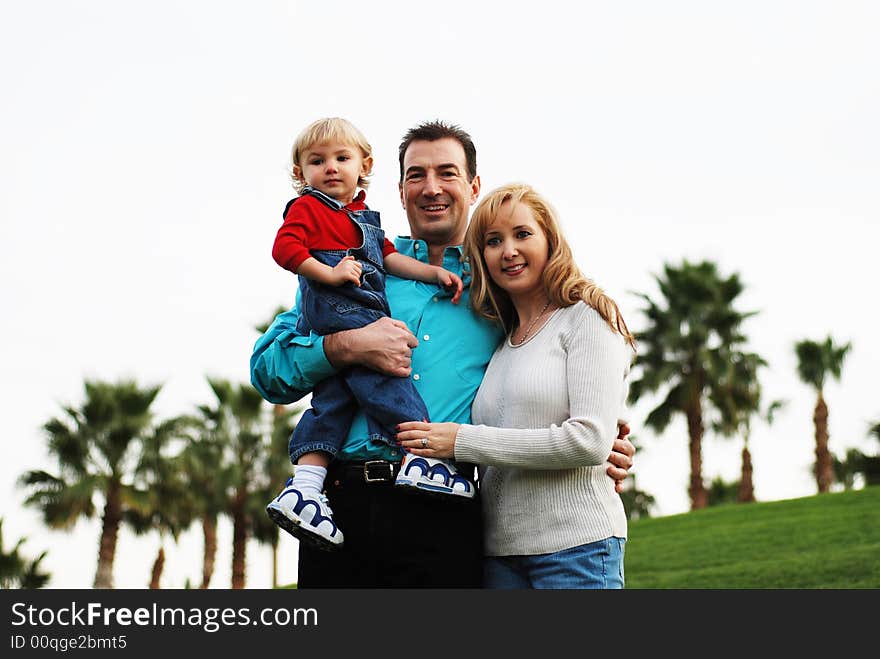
(285, 366)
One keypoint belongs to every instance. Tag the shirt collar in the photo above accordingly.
(452, 255)
(330, 201)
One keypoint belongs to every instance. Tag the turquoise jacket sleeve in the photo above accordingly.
(285, 365)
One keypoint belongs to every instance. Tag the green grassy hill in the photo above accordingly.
(825, 541)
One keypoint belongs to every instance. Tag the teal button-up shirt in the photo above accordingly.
(455, 346)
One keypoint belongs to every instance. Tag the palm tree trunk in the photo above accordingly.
(209, 529)
(109, 531)
(697, 491)
(746, 492)
(275, 563)
(239, 541)
(158, 565)
(824, 468)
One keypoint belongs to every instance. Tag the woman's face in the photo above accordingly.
(515, 250)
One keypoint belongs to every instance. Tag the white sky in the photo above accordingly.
(144, 153)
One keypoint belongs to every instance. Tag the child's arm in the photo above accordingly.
(348, 269)
(406, 267)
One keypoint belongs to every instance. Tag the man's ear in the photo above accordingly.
(475, 189)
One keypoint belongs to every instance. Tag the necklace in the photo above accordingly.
(531, 325)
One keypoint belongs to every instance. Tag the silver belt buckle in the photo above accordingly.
(380, 479)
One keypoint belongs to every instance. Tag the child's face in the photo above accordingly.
(333, 168)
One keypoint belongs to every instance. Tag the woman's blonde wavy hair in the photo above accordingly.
(564, 283)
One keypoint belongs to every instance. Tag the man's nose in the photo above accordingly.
(432, 186)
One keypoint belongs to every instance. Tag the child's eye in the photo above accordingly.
(315, 161)
(344, 158)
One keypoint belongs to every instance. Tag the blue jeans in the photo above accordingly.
(386, 400)
(595, 565)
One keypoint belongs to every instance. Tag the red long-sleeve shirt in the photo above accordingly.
(311, 224)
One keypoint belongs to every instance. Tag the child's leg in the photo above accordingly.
(310, 472)
(387, 401)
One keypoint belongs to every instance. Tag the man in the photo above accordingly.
(393, 538)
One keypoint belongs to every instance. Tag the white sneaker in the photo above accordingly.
(306, 518)
(433, 476)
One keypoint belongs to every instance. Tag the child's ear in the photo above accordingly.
(367, 166)
(298, 174)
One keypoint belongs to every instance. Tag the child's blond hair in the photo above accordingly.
(325, 130)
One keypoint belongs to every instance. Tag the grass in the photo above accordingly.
(823, 541)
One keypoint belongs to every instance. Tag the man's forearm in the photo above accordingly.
(338, 349)
(285, 366)
(385, 345)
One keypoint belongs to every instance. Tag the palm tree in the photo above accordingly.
(207, 478)
(276, 468)
(857, 463)
(95, 447)
(236, 424)
(687, 345)
(16, 571)
(738, 396)
(162, 501)
(816, 360)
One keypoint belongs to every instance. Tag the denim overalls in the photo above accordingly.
(386, 400)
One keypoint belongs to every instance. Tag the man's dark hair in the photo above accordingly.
(432, 131)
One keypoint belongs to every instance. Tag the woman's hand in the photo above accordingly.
(429, 440)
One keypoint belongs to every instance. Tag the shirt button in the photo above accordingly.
(416, 376)
(435, 299)
(416, 247)
(427, 337)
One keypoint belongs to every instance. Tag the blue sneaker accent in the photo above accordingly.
(305, 518)
(434, 476)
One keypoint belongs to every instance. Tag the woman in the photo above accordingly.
(546, 414)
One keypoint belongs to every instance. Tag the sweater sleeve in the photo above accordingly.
(289, 250)
(388, 248)
(597, 364)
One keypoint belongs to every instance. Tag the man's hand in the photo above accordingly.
(384, 345)
(621, 458)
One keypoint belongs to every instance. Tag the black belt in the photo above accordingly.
(371, 471)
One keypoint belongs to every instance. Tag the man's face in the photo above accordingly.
(435, 191)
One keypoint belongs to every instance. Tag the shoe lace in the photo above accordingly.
(325, 502)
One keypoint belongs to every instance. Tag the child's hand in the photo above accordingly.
(348, 269)
(450, 281)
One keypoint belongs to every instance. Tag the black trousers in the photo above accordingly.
(395, 538)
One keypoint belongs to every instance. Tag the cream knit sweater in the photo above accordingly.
(545, 419)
